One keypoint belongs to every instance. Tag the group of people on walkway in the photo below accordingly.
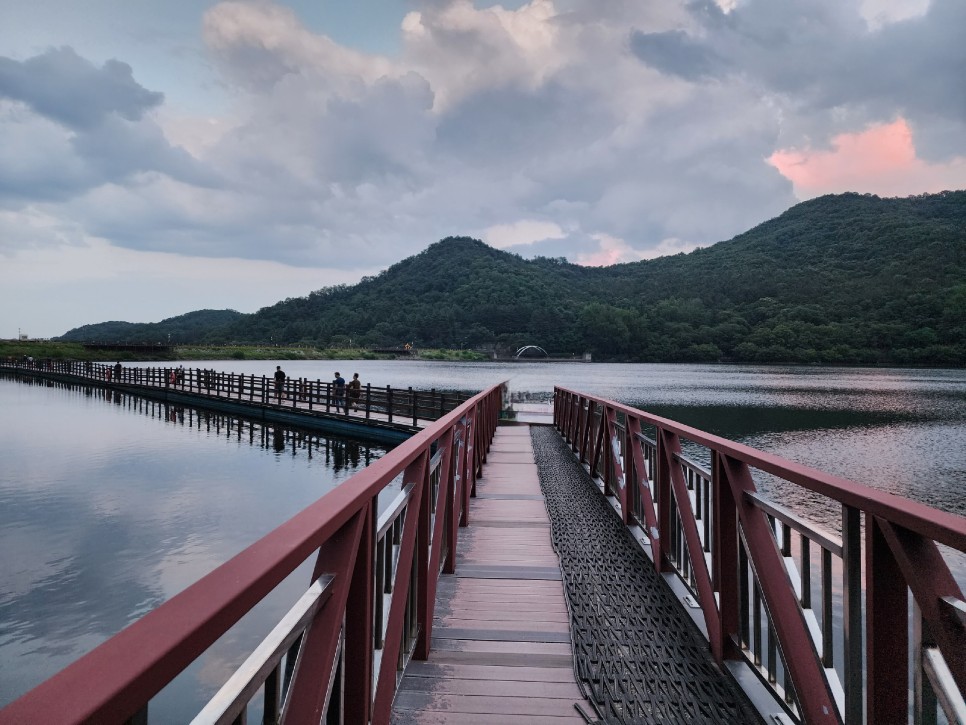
(344, 394)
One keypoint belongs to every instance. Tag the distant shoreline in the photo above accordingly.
(42, 349)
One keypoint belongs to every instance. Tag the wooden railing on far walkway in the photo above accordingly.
(339, 652)
(748, 562)
(400, 406)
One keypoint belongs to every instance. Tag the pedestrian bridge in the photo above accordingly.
(583, 571)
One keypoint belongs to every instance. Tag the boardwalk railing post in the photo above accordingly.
(368, 400)
(852, 612)
(724, 558)
(662, 496)
(887, 610)
(389, 401)
(359, 627)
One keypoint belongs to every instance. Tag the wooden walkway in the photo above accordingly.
(501, 647)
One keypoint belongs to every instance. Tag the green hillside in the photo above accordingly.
(192, 327)
(840, 279)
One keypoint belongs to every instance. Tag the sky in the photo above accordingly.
(160, 158)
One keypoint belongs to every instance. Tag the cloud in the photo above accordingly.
(138, 286)
(880, 160)
(71, 127)
(674, 52)
(521, 233)
(602, 131)
(612, 250)
(68, 89)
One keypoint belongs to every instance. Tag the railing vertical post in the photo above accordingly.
(412, 401)
(724, 562)
(852, 613)
(389, 401)
(662, 495)
(630, 501)
(425, 578)
(368, 400)
(886, 696)
(452, 489)
(359, 627)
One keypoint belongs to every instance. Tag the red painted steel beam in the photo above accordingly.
(670, 449)
(724, 559)
(929, 579)
(309, 691)
(640, 477)
(814, 695)
(386, 682)
(360, 624)
(887, 647)
(941, 526)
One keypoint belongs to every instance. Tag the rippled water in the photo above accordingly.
(109, 507)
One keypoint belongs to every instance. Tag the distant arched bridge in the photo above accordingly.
(526, 348)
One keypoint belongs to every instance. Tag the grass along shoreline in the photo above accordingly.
(43, 349)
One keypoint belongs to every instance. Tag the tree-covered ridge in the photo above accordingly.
(840, 279)
(191, 327)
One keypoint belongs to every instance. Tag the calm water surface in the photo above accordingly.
(110, 507)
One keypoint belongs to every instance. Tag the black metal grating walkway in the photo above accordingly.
(638, 654)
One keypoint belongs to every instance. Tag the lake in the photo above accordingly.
(109, 505)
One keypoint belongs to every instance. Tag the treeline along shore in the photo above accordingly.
(842, 279)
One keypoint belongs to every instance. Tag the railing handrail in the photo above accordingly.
(116, 679)
(942, 526)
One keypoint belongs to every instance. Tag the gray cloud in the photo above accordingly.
(642, 122)
(80, 127)
(676, 53)
(66, 88)
(825, 67)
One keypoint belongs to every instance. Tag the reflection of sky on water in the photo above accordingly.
(107, 510)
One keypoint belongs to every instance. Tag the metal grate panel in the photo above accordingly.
(636, 651)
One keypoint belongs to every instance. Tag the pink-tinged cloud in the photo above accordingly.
(879, 160)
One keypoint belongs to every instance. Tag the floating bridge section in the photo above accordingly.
(683, 593)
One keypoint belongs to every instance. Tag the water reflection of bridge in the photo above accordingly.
(507, 548)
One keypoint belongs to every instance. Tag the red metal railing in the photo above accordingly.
(747, 562)
(340, 650)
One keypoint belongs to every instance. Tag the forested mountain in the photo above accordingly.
(840, 279)
(190, 327)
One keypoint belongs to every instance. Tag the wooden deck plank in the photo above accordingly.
(435, 717)
(504, 659)
(501, 629)
(530, 616)
(499, 688)
(491, 705)
(482, 672)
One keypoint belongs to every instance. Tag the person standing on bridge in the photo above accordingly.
(117, 372)
(279, 381)
(339, 393)
(355, 390)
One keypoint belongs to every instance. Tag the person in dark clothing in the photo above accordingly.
(355, 391)
(279, 381)
(338, 393)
